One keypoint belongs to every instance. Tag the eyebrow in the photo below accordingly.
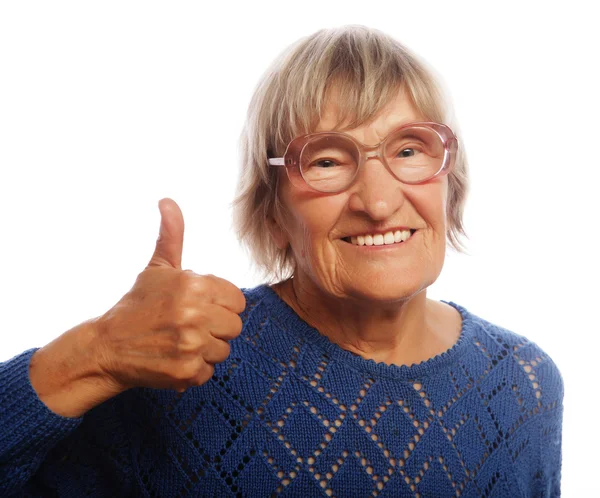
(389, 130)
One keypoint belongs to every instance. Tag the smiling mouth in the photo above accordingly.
(381, 239)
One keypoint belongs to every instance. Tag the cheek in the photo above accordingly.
(313, 220)
(436, 200)
(433, 203)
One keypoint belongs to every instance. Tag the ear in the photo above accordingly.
(278, 234)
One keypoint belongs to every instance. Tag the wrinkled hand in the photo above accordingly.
(172, 327)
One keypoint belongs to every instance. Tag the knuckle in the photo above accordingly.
(242, 301)
(203, 338)
(201, 316)
(226, 351)
(186, 371)
(238, 325)
(182, 316)
(184, 281)
(187, 341)
(203, 283)
(204, 375)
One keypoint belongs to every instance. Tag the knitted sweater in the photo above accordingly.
(291, 414)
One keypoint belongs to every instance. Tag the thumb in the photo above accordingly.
(169, 246)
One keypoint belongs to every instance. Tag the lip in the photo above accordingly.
(379, 232)
(388, 247)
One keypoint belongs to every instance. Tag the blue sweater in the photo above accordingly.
(292, 414)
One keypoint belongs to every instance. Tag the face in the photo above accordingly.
(318, 226)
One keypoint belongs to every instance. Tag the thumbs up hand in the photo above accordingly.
(172, 327)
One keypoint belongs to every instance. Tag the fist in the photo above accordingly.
(172, 327)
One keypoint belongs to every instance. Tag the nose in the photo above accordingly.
(376, 192)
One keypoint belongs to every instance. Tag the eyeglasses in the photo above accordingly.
(330, 161)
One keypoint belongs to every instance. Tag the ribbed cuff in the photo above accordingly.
(27, 425)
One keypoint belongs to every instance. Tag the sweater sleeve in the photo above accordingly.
(548, 478)
(28, 428)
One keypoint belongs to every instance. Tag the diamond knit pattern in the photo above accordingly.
(292, 414)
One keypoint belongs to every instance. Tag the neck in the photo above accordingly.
(404, 332)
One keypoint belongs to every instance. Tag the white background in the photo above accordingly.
(106, 107)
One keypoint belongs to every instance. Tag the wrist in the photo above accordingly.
(67, 376)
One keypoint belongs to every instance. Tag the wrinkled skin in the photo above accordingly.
(172, 327)
(352, 295)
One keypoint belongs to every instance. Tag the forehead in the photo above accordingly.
(400, 110)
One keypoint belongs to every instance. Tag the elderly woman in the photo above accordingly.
(341, 378)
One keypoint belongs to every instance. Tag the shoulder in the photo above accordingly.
(264, 305)
(255, 296)
(514, 352)
(522, 391)
(259, 307)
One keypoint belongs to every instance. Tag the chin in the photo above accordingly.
(388, 283)
(386, 290)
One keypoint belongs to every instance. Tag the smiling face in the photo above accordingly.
(319, 227)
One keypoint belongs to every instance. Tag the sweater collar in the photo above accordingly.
(290, 323)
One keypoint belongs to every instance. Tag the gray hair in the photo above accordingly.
(366, 68)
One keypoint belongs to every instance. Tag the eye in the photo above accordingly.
(324, 163)
(409, 152)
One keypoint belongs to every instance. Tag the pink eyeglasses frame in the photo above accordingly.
(294, 149)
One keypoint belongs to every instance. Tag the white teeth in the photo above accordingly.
(381, 239)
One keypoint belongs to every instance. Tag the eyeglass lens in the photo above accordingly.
(329, 163)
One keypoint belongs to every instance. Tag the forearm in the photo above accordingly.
(29, 430)
(66, 376)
